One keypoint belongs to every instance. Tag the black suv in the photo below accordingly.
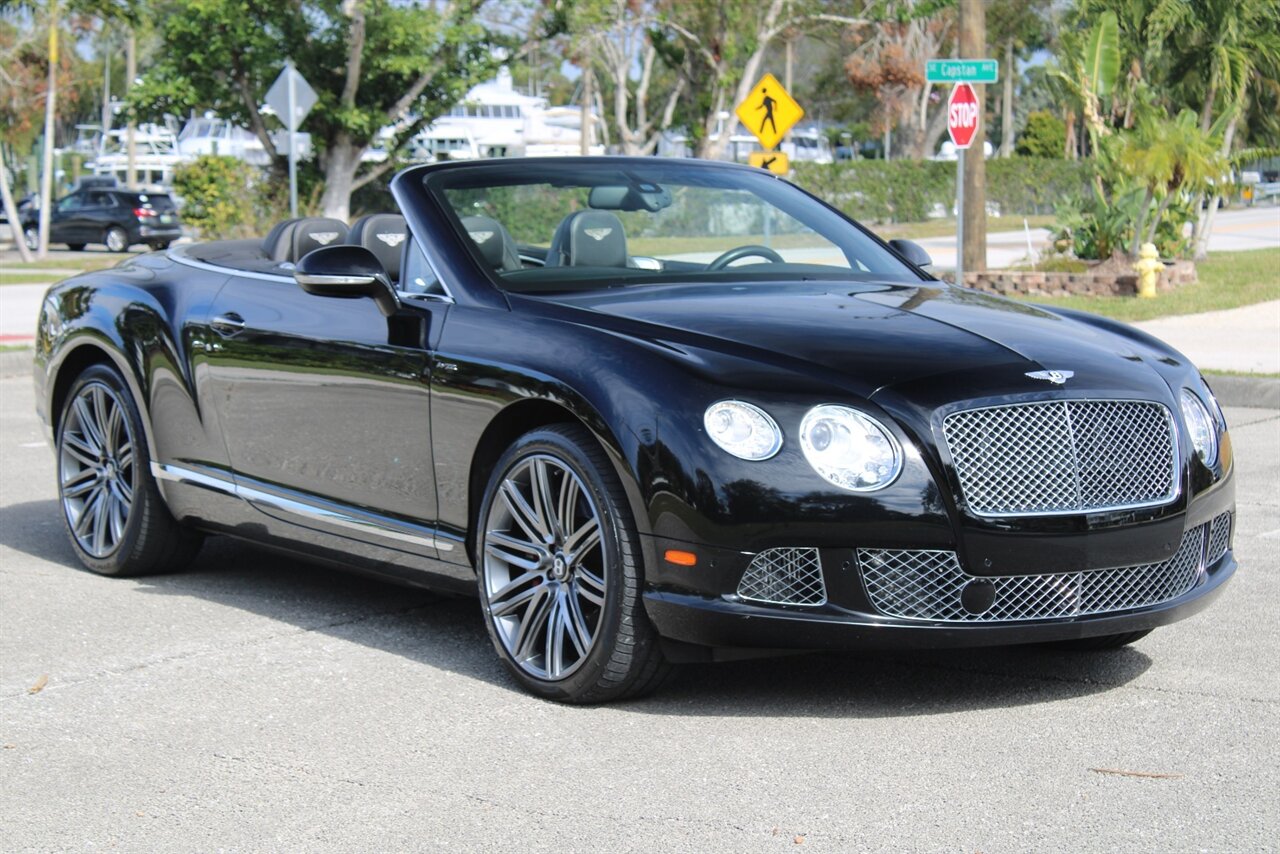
(116, 218)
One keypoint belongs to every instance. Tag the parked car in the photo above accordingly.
(115, 218)
(647, 410)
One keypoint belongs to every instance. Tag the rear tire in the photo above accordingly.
(111, 507)
(1102, 642)
(560, 590)
(75, 247)
(116, 239)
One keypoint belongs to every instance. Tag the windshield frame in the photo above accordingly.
(584, 172)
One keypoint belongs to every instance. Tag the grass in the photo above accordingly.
(8, 277)
(13, 348)
(947, 227)
(1226, 280)
(1251, 374)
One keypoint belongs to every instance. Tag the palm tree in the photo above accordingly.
(1230, 48)
(1169, 157)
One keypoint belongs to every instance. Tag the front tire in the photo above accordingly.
(160, 245)
(112, 510)
(116, 239)
(75, 247)
(560, 572)
(32, 237)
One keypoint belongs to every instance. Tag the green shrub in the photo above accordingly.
(1044, 136)
(224, 197)
(914, 190)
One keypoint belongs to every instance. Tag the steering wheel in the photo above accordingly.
(745, 252)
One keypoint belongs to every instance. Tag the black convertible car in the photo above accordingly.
(653, 411)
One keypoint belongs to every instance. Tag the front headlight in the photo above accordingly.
(1200, 427)
(743, 430)
(849, 448)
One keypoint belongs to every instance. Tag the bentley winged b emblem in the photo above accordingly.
(598, 233)
(324, 238)
(393, 239)
(1055, 377)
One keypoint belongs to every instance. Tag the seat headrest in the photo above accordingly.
(313, 232)
(496, 246)
(383, 234)
(278, 242)
(589, 239)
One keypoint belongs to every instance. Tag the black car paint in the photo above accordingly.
(325, 403)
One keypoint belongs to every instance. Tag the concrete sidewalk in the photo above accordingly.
(1245, 339)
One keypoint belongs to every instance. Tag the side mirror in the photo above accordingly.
(346, 272)
(913, 252)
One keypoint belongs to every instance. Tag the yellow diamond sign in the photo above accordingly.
(775, 161)
(769, 112)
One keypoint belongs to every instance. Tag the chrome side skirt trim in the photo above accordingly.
(366, 523)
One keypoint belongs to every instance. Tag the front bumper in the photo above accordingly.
(723, 622)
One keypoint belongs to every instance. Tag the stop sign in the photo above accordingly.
(962, 115)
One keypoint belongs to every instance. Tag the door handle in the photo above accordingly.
(228, 324)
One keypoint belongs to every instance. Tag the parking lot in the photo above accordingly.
(258, 703)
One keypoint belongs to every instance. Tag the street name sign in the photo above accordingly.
(962, 115)
(775, 161)
(962, 71)
(769, 112)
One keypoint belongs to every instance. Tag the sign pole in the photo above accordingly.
(960, 217)
(292, 125)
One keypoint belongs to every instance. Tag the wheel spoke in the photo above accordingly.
(553, 652)
(99, 399)
(100, 522)
(80, 483)
(576, 626)
(589, 586)
(535, 616)
(540, 486)
(77, 447)
(583, 540)
(524, 515)
(84, 522)
(510, 558)
(88, 427)
(112, 429)
(510, 596)
(567, 507)
(117, 510)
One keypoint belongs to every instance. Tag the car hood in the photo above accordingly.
(874, 337)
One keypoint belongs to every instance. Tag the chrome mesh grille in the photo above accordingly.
(1063, 456)
(1219, 538)
(927, 585)
(791, 576)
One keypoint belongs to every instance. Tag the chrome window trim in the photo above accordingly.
(176, 255)
(412, 242)
(368, 523)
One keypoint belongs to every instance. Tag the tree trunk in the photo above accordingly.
(1069, 150)
(11, 212)
(1155, 220)
(131, 129)
(1142, 218)
(1202, 239)
(50, 110)
(341, 161)
(973, 40)
(1006, 103)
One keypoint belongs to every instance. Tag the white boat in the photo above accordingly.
(156, 156)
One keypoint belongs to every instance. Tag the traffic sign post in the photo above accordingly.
(962, 125)
(291, 97)
(769, 112)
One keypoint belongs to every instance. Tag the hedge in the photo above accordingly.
(879, 191)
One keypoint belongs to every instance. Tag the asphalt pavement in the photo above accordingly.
(255, 702)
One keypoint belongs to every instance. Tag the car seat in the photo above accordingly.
(293, 238)
(384, 235)
(495, 243)
(589, 239)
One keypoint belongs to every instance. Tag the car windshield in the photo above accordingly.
(584, 225)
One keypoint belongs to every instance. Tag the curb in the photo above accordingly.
(1231, 390)
(16, 363)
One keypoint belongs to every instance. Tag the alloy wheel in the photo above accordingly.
(544, 567)
(117, 240)
(96, 469)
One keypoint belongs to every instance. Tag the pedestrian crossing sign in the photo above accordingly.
(769, 112)
(775, 161)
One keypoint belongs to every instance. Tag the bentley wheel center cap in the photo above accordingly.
(559, 569)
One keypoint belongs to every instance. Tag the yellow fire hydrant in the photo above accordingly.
(1148, 267)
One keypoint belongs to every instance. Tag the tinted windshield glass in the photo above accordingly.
(583, 225)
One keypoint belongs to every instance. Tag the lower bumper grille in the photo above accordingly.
(931, 585)
(784, 577)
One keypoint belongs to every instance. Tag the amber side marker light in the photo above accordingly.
(680, 558)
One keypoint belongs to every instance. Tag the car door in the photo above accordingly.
(97, 213)
(324, 404)
(65, 222)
